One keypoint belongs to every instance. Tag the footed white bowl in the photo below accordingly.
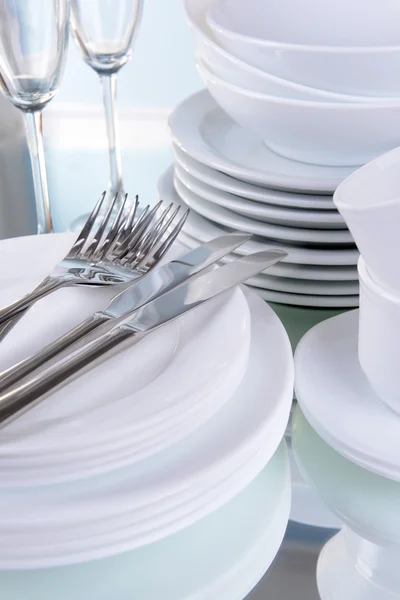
(362, 561)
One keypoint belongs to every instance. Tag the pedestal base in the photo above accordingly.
(352, 568)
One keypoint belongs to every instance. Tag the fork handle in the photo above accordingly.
(45, 287)
(23, 368)
(32, 390)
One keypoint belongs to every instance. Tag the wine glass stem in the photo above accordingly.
(33, 122)
(109, 83)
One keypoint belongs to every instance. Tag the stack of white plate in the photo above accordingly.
(231, 181)
(152, 441)
(215, 558)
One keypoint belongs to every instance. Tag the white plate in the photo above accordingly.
(251, 424)
(36, 467)
(337, 400)
(221, 181)
(289, 217)
(306, 300)
(292, 235)
(235, 553)
(291, 271)
(300, 286)
(57, 424)
(293, 286)
(199, 226)
(38, 548)
(202, 130)
(304, 286)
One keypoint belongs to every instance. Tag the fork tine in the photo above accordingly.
(98, 236)
(132, 214)
(128, 237)
(152, 238)
(112, 235)
(159, 229)
(155, 227)
(160, 249)
(86, 229)
(130, 244)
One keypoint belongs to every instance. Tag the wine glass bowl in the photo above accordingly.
(33, 43)
(105, 31)
(33, 50)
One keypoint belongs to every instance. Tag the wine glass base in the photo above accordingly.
(343, 573)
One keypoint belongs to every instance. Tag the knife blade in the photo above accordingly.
(143, 289)
(119, 333)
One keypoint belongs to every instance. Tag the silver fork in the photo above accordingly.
(111, 253)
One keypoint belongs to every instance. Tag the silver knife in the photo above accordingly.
(136, 293)
(114, 336)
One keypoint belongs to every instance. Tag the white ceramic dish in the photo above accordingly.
(298, 254)
(362, 561)
(71, 544)
(236, 554)
(220, 181)
(38, 467)
(379, 338)
(319, 133)
(307, 301)
(337, 400)
(198, 226)
(303, 286)
(289, 217)
(236, 71)
(201, 129)
(291, 285)
(292, 235)
(247, 431)
(349, 51)
(369, 200)
(55, 427)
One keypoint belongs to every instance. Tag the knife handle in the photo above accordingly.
(34, 389)
(15, 373)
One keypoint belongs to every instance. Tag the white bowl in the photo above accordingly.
(320, 133)
(350, 48)
(369, 201)
(233, 70)
(379, 338)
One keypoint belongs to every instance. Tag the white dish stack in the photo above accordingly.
(348, 391)
(294, 104)
(129, 468)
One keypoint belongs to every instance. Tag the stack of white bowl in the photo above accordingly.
(347, 386)
(149, 443)
(302, 92)
(318, 81)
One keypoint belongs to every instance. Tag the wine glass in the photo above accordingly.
(33, 48)
(105, 31)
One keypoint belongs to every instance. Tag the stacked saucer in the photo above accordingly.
(233, 182)
(159, 437)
